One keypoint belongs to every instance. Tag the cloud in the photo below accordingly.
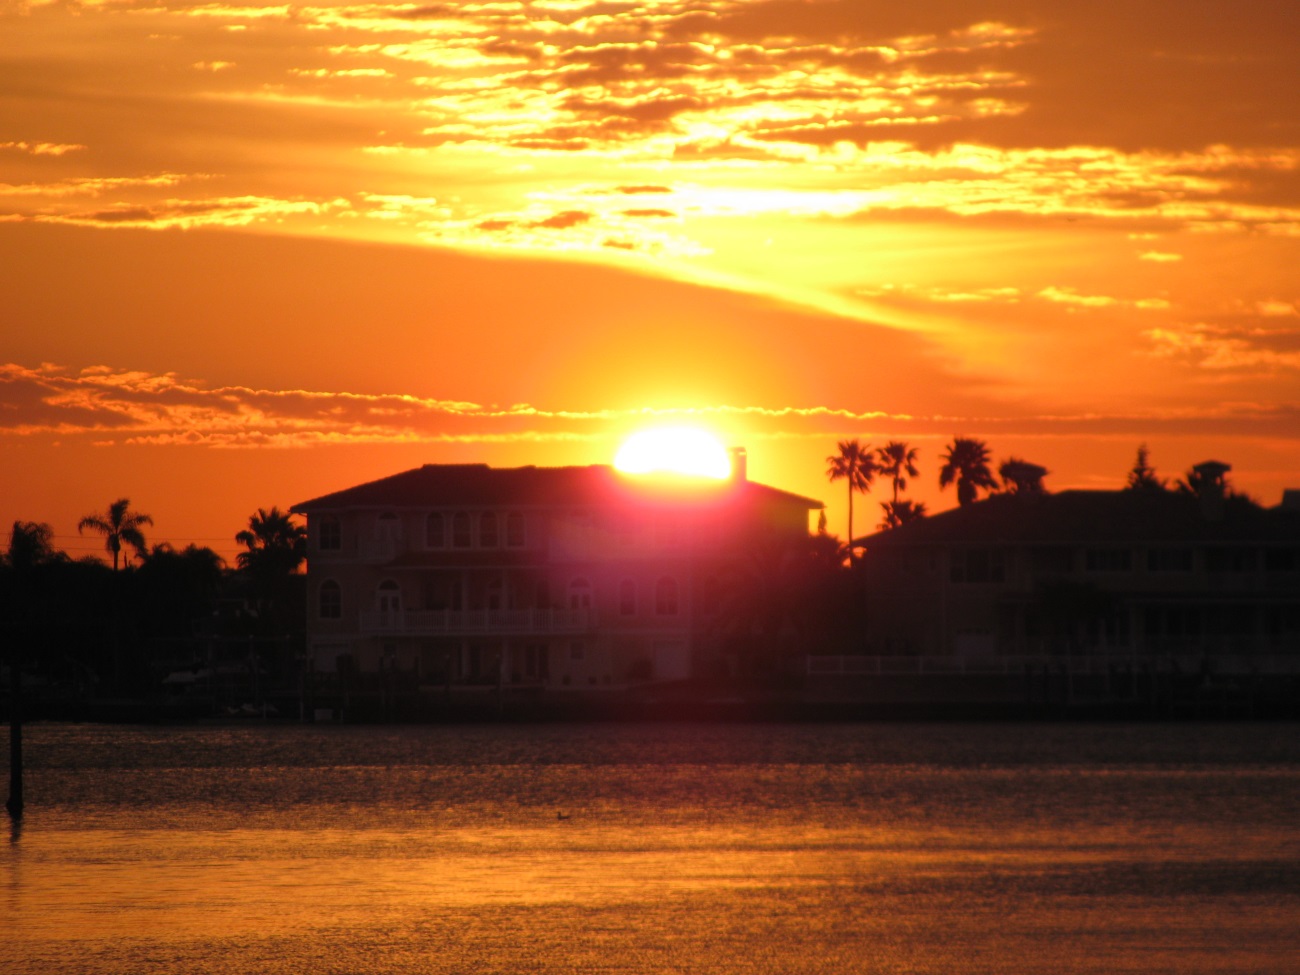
(108, 406)
(1075, 299)
(42, 148)
(1229, 349)
(216, 212)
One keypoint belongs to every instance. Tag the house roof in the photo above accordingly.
(1071, 517)
(439, 485)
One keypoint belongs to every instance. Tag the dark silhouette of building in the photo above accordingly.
(1091, 578)
(577, 578)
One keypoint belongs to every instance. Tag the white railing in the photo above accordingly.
(451, 621)
(1222, 664)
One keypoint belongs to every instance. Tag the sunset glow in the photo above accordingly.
(673, 450)
(256, 252)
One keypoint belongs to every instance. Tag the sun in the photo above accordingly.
(686, 451)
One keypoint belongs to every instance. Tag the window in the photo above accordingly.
(1230, 560)
(514, 530)
(460, 530)
(1281, 560)
(1169, 560)
(388, 531)
(1052, 560)
(627, 598)
(1108, 560)
(577, 651)
(666, 597)
(330, 534)
(487, 530)
(433, 536)
(331, 600)
(978, 565)
(388, 598)
(537, 661)
(580, 594)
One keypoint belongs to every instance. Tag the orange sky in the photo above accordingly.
(252, 254)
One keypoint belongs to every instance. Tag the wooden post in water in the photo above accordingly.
(15, 802)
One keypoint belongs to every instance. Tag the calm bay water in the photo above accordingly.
(650, 848)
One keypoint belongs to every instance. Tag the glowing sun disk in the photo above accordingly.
(673, 450)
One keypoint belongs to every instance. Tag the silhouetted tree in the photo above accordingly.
(1143, 476)
(175, 590)
(1022, 477)
(1209, 484)
(199, 566)
(967, 462)
(1208, 478)
(781, 597)
(276, 544)
(901, 512)
(897, 462)
(31, 544)
(852, 463)
(119, 525)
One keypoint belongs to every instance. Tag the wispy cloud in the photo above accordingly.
(42, 148)
(107, 406)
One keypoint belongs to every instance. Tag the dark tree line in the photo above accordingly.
(85, 627)
(967, 465)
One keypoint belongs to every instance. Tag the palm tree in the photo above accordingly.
(853, 463)
(119, 525)
(276, 544)
(901, 512)
(896, 460)
(967, 462)
(1022, 477)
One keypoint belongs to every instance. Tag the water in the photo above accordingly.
(854, 848)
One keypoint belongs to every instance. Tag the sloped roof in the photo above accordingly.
(1091, 516)
(439, 485)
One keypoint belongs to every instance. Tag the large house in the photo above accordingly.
(566, 577)
(1147, 578)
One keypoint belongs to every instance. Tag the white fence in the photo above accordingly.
(1220, 665)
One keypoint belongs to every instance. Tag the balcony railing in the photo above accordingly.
(483, 621)
(1234, 664)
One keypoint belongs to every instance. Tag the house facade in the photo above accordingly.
(568, 577)
(1115, 577)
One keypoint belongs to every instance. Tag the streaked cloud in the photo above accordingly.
(1225, 349)
(41, 148)
(106, 406)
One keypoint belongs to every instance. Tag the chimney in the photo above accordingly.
(739, 474)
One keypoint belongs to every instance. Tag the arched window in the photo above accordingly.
(460, 530)
(487, 529)
(580, 594)
(433, 536)
(514, 530)
(388, 597)
(627, 598)
(331, 600)
(666, 597)
(329, 536)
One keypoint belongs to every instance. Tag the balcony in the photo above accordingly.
(451, 622)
